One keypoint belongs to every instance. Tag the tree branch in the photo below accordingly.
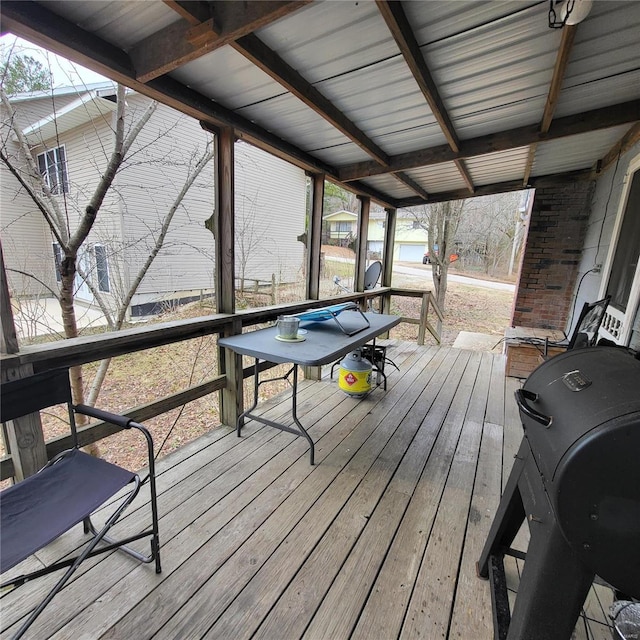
(32, 194)
(34, 174)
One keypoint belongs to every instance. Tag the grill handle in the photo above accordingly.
(522, 395)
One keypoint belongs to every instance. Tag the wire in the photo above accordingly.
(575, 297)
(595, 268)
(606, 206)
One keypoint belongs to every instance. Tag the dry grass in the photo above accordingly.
(142, 377)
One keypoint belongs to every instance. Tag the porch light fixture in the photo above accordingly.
(571, 12)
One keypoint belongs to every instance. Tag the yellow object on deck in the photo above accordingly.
(355, 375)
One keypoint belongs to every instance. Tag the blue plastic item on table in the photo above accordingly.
(326, 313)
(332, 312)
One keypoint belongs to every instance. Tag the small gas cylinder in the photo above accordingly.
(355, 374)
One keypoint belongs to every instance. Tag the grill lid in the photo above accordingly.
(578, 391)
(583, 429)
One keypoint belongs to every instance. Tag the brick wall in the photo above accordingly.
(552, 254)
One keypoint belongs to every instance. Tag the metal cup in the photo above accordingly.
(288, 327)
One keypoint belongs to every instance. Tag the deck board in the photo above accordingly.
(378, 540)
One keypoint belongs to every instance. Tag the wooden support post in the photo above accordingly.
(389, 243)
(314, 245)
(387, 259)
(314, 238)
(361, 250)
(232, 396)
(25, 439)
(230, 364)
(9, 340)
(424, 312)
(224, 222)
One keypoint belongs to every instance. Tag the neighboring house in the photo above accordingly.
(410, 241)
(341, 226)
(69, 131)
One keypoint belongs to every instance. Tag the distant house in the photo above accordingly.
(341, 226)
(69, 131)
(410, 241)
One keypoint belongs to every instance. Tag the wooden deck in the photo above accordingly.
(378, 540)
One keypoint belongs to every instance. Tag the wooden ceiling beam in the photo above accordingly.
(622, 146)
(559, 70)
(466, 176)
(402, 33)
(193, 11)
(412, 184)
(185, 40)
(272, 64)
(39, 25)
(400, 29)
(597, 119)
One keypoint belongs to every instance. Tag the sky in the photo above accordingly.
(65, 73)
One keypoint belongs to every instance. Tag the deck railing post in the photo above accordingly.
(424, 312)
(232, 395)
(24, 436)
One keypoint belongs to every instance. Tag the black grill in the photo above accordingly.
(576, 480)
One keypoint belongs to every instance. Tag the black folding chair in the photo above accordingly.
(585, 333)
(65, 492)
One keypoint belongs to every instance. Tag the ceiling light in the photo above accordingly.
(570, 12)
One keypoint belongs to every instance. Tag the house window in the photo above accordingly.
(343, 227)
(53, 169)
(102, 267)
(57, 260)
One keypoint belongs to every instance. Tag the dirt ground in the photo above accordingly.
(138, 378)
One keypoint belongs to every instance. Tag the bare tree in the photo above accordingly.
(55, 208)
(70, 240)
(488, 231)
(248, 236)
(118, 321)
(336, 198)
(441, 221)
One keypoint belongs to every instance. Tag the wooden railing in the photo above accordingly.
(78, 351)
(428, 302)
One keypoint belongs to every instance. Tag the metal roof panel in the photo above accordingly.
(438, 177)
(122, 23)
(575, 152)
(498, 167)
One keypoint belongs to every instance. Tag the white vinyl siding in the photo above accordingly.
(605, 209)
(270, 197)
(270, 207)
(147, 188)
(26, 239)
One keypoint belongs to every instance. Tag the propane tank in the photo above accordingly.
(355, 374)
